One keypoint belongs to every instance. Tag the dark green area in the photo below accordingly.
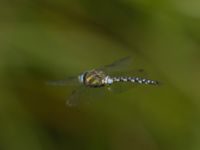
(44, 40)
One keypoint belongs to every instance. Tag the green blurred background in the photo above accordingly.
(41, 40)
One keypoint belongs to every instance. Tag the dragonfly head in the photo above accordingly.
(81, 77)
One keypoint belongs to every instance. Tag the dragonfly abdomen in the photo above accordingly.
(134, 80)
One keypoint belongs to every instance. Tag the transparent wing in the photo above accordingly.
(131, 73)
(116, 66)
(123, 67)
(76, 97)
(68, 81)
(84, 95)
(119, 88)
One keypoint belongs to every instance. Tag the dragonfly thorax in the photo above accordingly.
(94, 78)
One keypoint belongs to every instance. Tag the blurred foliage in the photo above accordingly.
(41, 40)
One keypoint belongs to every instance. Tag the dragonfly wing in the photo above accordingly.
(119, 65)
(131, 73)
(75, 98)
(121, 87)
(123, 67)
(69, 81)
(85, 95)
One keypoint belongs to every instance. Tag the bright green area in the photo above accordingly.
(42, 40)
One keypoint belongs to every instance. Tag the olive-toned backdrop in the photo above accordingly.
(43, 40)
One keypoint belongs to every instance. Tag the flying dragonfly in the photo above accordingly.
(102, 78)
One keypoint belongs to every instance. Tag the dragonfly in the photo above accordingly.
(103, 77)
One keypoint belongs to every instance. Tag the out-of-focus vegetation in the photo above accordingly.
(41, 40)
